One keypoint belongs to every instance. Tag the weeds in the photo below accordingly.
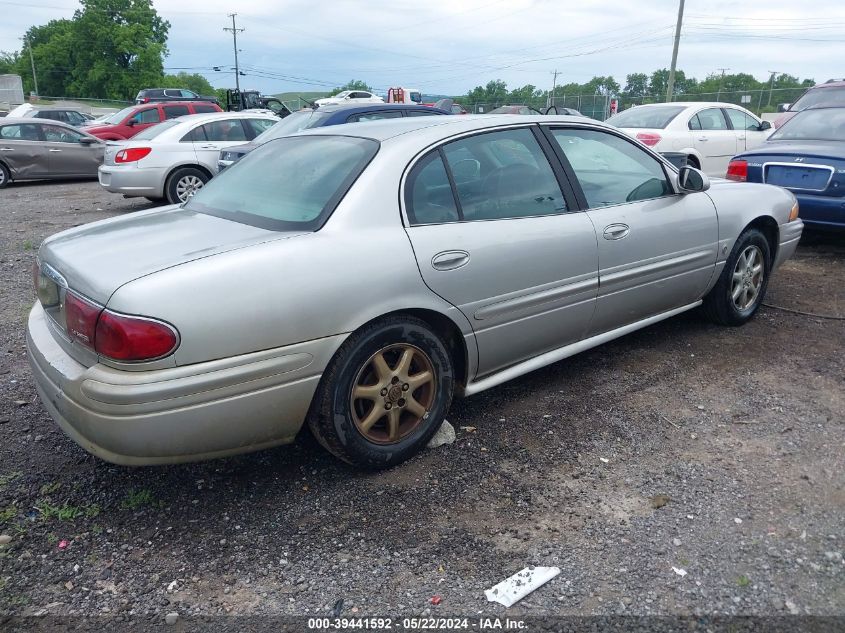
(743, 581)
(65, 512)
(137, 498)
(7, 514)
(50, 488)
(5, 480)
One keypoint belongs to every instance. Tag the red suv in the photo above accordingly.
(831, 92)
(129, 121)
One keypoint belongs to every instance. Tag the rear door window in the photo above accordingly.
(171, 111)
(225, 131)
(428, 194)
(23, 132)
(204, 109)
(258, 126)
(57, 134)
(712, 119)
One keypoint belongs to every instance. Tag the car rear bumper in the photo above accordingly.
(180, 414)
(132, 181)
(822, 211)
(790, 235)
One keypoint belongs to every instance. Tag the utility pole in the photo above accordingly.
(721, 79)
(670, 87)
(31, 61)
(554, 85)
(235, 32)
(772, 85)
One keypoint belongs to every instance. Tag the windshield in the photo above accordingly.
(819, 96)
(655, 117)
(155, 130)
(825, 124)
(118, 117)
(341, 95)
(293, 123)
(287, 184)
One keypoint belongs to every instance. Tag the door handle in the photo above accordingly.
(55, 150)
(450, 260)
(6, 149)
(703, 138)
(616, 231)
(209, 147)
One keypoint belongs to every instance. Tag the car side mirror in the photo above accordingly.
(765, 125)
(690, 180)
(85, 140)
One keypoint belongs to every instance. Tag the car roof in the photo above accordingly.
(368, 107)
(211, 116)
(34, 121)
(385, 129)
(691, 104)
(830, 83)
(168, 104)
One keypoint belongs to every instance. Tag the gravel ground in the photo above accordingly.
(712, 451)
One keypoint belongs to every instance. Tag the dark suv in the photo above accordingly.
(156, 95)
(831, 93)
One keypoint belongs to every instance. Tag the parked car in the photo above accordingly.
(356, 278)
(321, 117)
(134, 119)
(158, 95)
(515, 109)
(806, 156)
(831, 92)
(71, 116)
(174, 159)
(349, 96)
(32, 149)
(554, 109)
(709, 134)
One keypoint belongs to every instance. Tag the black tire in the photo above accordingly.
(719, 305)
(332, 419)
(5, 176)
(180, 177)
(156, 200)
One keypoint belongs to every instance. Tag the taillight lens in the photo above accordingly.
(648, 138)
(132, 154)
(737, 170)
(129, 338)
(81, 318)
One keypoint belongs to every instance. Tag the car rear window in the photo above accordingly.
(155, 130)
(824, 124)
(287, 184)
(653, 117)
(295, 122)
(820, 96)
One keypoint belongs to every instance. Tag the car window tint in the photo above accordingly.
(171, 112)
(612, 170)
(194, 136)
(24, 132)
(374, 116)
(421, 113)
(204, 109)
(428, 194)
(150, 115)
(173, 94)
(259, 126)
(56, 134)
(507, 176)
(225, 131)
(741, 121)
(694, 123)
(188, 94)
(712, 119)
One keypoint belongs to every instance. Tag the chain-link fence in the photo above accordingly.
(593, 106)
(758, 100)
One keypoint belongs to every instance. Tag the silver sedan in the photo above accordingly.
(356, 278)
(173, 160)
(31, 149)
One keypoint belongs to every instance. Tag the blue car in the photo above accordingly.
(322, 116)
(807, 156)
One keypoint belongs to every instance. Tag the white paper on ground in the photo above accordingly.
(513, 589)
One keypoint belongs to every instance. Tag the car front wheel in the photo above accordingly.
(5, 177)
(384, 394)
(741, 287)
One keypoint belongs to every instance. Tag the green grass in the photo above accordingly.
(65, 512)
(7, 514)
(48, 489)
(27, 245)
(5, 480)
(743, 581)
(137, 498)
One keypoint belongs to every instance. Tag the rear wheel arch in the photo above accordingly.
(191, 166)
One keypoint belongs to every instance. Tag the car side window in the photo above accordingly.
(225, 131)
(173, 94)
(374, 116)
(187, 94)
(56, 134)
(197, 135)
(612, 170)
(712, 119)
(421, 113)
(258, 126)
(24, 132)
(171, 112)
(150, 115)
(502, 175)
(428, 194)
(741, 121)
(204, 109)
(694, 123)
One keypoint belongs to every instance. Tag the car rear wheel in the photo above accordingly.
(5, 177)
(184, 183)
(742, 285)
(384, 394)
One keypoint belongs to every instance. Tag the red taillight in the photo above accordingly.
(738, 170)
(129, 338)
(145, 99)
(81, 318)
(648, 138)
(132, 154)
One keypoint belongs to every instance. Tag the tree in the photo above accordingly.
(493, 93)
(9, 62)
(525, 95)
(194, 81)
(606, 86)
(636, 85)
(354, 84)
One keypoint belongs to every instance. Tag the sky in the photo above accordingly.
(447, 48)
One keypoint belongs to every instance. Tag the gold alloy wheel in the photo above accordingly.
(393, 393)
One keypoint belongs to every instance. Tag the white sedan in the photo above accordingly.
(172, 160)
(350, 96)
(708, 133)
